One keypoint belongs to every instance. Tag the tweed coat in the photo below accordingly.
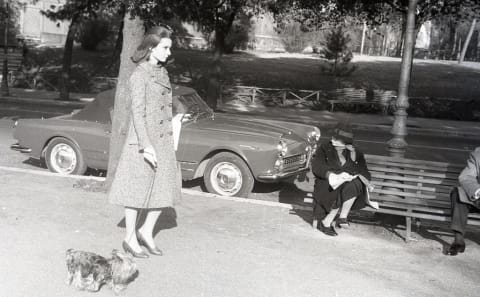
(469, 179)
(326, 160)
(136, 184)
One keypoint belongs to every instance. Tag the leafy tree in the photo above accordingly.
(219, 16)
(337, 50)
(75, 11)
(8, 15)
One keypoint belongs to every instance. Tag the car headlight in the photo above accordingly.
(282, 147)
(314, 136)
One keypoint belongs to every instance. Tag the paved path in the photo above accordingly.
(216, 248)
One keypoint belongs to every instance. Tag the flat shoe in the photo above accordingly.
(343, 223)
(128, 249)
(152, 250)
(330, 231)
(455, 248)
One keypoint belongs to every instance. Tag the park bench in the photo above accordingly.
(415, 189)
(15, 61)
(351, 96)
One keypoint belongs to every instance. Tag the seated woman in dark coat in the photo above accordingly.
(341, 180)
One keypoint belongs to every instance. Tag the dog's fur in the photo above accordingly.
(89, 271)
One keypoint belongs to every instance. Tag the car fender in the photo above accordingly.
(200, 170)
(61, 135)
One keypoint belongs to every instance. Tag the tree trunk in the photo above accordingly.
(214, 87)
(402, 36)
(119, 41)
(452, 40)
(364, 31)
(133, 33)
(67, 61)
(398, 145)
(5, 91)
(467, 41)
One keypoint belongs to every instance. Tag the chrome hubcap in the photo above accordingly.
(226, 179)
(63, 158)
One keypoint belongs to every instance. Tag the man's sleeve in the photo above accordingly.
(469, 176)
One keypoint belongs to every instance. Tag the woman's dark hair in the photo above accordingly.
(152, 39)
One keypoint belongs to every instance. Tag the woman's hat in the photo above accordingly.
(343, 133)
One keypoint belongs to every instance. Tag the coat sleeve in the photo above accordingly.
(138, 96)
(320, 168)
(362, 164)
(469, 176)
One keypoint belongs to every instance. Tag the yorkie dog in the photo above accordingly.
(89, 271)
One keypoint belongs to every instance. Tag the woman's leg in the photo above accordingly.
(147, 228)
(130, 224)
(327, 221)
(346, 207)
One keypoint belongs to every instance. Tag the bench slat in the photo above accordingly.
(413, 161)
(384, 164)
(407, 194)
(412, 201)
(378, 183)
(412, 172)
(423, 216)
(445, 182)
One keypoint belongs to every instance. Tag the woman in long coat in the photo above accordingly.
(146, 176)
(341, 178)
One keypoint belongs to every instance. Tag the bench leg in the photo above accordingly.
(408, 226)
(314, 223)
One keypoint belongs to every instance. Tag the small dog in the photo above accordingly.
(89, 271)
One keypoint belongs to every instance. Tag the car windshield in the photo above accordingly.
(192, 104)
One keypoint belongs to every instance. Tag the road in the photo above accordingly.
(374, 141)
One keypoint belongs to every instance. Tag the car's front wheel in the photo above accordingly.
(64, 156)
(228, 175)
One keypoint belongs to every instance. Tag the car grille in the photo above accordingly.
(296, 160)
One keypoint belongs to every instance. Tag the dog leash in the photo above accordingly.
(146, 202)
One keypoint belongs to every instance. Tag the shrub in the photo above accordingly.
(336, 49)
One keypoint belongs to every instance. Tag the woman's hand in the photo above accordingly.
(150, 155)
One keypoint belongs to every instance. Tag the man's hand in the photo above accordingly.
(477, 195)
(150, 155)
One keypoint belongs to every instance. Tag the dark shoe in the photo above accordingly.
(343, 223)
(128, 249)
(152, 250)
(456, 248)
(330, 231)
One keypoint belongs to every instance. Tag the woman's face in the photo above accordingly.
(162, 51)
(337, 142)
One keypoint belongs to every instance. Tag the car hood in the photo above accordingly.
(238, 124)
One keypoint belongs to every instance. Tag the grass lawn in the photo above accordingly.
(296, 71)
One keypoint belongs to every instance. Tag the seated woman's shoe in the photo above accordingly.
(128, 249)
(343, 223)
(152, 250)
(330, 231)
(455, 248)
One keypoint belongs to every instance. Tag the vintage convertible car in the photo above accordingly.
(229, 151)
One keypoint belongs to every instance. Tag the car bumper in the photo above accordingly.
(281, 175)
(17, 147)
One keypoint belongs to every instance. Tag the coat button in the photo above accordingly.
(169, 119)
(162, 107)
(164, 93)
(170, 133)
(161, 135)
(161, 122)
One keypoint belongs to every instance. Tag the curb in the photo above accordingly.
(184, 191)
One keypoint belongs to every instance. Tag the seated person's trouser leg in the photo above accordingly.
(459, 213)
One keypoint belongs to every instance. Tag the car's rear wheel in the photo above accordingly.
(228, 175)
(64, 156)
